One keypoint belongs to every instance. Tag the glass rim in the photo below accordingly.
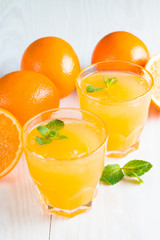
(109, 100)
(65, 159)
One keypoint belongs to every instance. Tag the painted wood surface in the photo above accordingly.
(127, 211)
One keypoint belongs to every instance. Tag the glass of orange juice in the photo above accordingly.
(65, 152)
(119, 93)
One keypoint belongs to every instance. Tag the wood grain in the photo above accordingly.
(21, 214)
(125, 211)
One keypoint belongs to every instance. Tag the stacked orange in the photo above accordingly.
(49, 68)
(54, 58)
(122, 46)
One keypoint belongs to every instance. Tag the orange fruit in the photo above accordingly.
(153, 66)
(54, 58)
(26, 93)
(122, 46)
(10, 142)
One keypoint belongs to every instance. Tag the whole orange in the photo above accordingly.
(122, 46)
(27, 93)
(56, 59)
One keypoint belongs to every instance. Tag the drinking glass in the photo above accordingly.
(124, 119)
(66, 187)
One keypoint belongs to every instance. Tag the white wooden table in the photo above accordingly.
(127, 211)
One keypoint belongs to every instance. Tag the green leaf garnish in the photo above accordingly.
(55, 124)
(112, 173)
(43, 130)
(43, 141)
(60, 137)
(50, 132)
(108, 82)
(136, 168)
(94, 89)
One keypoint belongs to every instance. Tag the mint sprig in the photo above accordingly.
(113, 173)
(50, 132)
(108, 83)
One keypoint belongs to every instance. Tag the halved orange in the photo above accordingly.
(153, 66)
(10, 142)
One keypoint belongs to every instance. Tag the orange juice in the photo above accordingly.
(66, 172)
(127, 87)
(123, 106)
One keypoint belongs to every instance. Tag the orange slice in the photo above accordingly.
(153, 66)
(10, 142)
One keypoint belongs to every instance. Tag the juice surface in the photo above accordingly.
(67, 184)
(127, 87)
(82, 139)
(123, 117)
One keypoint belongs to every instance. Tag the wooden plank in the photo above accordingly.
(21, 215)
(125, 211)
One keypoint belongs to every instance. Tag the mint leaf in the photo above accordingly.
(44, 131)
(55, 124)
(60, 137)
(112, 174)
(52, 133)
(43, 141)
(94, 89)
(136, 168)
(110, 81)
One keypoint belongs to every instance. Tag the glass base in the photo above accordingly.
(121, 154)
(65, 212)
(69, 213)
